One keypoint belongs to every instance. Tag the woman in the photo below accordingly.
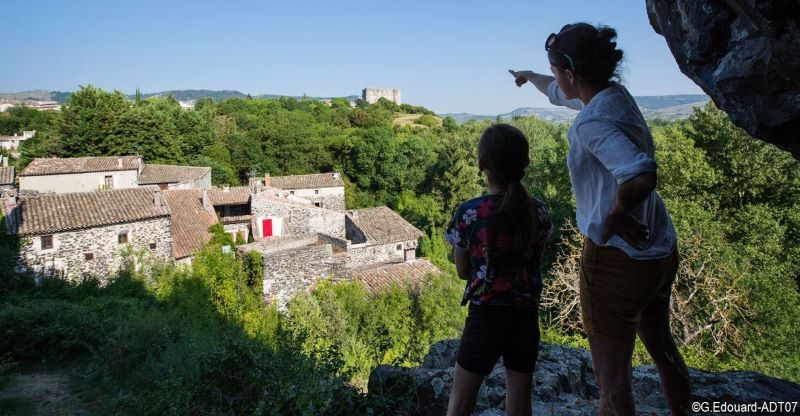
(497, 244)
(629, 259)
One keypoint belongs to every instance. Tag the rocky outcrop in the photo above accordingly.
(744, 55)
(564, 385)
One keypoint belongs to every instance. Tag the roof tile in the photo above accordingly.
(153, 174)
(317, 180)
(7, 175)
(59, 166)
(190, 221)
(235, 195)
(52, 213)
(381, 278)
(381, 225)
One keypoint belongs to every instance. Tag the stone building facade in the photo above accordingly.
(372, 95)
(59, 237)
(296, 218)
(97, 250)
(294, 264)
(323, 190)
(341, 242)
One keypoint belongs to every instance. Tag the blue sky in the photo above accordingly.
(450, 56)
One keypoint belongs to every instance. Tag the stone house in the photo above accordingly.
(379, 235)
(13, 142)
(80, 174)
(175, 177)
(87, 233)
(301, 243)
(324, 190)
(279, 213)
(83, 174)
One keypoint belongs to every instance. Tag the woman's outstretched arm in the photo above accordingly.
(540, 81)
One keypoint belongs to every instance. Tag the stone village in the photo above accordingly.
(77, 216)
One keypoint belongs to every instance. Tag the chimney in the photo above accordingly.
(267, 180)
(5, 160)
(335, 175)
(226, 188)
(157, 198)
(206, 201)
(119, 163)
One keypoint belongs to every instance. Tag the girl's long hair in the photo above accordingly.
(503, 150)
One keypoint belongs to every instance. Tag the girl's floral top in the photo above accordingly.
(472, 229)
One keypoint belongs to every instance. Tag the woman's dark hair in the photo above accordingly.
(593, 52)
(503, 150)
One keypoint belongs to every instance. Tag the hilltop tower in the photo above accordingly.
(371, 95)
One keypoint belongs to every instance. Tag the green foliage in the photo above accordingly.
(345, 325)
(193, 341)
(219, 237)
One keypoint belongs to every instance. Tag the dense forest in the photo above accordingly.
(198, 340)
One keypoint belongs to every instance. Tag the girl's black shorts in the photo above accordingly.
(492, 332)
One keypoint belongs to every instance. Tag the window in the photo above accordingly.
(318, 204)
(316, 192)
(291, 192)
(122, 237)
(88, 256)
(152, 246)
(398, 247)
(108, 182)
(47, 242)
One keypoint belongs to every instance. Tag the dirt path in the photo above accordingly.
(40, 393)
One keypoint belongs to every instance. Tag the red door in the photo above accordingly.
(266, 227)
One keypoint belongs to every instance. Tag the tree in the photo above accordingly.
(89, 117)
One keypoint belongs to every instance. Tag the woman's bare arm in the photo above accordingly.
(540, 81)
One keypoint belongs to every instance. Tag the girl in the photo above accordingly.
(629, 259)
(498, 240)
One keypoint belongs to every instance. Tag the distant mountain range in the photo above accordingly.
(180, 95)
(662, 107)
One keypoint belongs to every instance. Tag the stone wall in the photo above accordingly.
(68, 254)
(329, 198)
(78, 182)
(339, 244)
(7, 191)
(359, 255)
(371, 95)
(301, 219)
(291, 271)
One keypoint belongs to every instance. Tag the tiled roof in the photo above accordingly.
(52, 213)
(381, 225)
(7, 175)
(317, 180)
(233, 219)
(58, 166)
(153, 174)
(235, 195)
(409, 274)
(190, 221)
